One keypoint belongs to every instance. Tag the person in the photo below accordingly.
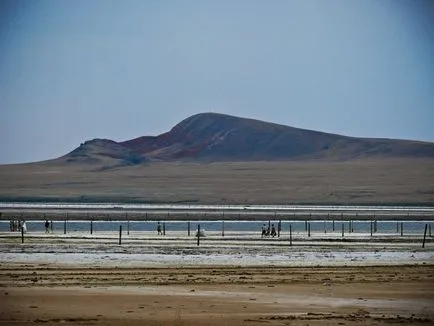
(273, 230)
(24, 226)
(264, 231)
(47, 225)
(51, 226)
(159, 228)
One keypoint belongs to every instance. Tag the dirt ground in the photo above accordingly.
(377, 182)
(231, 295)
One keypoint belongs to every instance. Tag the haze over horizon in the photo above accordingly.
(71, 71)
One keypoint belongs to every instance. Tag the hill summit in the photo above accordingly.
(213, 137)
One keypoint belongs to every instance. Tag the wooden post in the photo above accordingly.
(22, 235)
(290, 235)
(333, 225)
(349, 226)
(305, 225)
(223, 228)
(120, 234)
(375, 225)
(424, 236)
(188, 228)
(308, 229)
(371, 228)
(164, 228)
(342, 229)
(64, 227)
(91, 227)
(402, 229)
(325, 227)
(269, 225)
(198, 234)
(397, 227)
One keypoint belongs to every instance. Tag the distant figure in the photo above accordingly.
(273, 230)
(24, 226)
(47, 225)
(15, 226)
(11, 225)
(201, 234)
(159, 228)
(51, 226)
(264, 231)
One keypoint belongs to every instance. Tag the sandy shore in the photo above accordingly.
(216, 295)
(241, 279)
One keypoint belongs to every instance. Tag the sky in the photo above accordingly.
(71, 71)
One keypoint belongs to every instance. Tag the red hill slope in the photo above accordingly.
(212, 137)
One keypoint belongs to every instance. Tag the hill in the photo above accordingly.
(105, 152)
(253, 162)
(212, 137)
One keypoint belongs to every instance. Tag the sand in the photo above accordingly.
(73, 279)
(216, 295)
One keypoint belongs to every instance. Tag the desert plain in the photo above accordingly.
(60, 283)
(393, 181)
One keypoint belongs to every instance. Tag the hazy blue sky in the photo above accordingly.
(75, 70)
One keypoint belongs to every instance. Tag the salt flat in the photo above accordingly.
(146, 249)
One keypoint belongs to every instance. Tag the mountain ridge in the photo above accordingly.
(216, 137)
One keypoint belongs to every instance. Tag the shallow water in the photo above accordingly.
(388, 227)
